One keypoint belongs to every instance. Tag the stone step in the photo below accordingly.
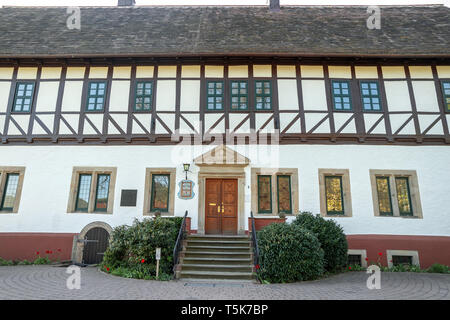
(218, 254)
(218, 243)
(217, 248)
(215, 275)
(218, 237)
(220, 261)
(217, 267)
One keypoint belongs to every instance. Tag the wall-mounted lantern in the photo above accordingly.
(186, 167)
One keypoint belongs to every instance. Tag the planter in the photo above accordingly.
(262, 222)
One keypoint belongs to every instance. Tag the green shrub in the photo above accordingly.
(4, 262)
(331, 237)
(131, 252)
(289, 253)
(42, 260)
(438, 268)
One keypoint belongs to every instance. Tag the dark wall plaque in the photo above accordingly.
(128, 198)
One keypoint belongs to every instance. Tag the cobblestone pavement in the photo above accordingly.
(47, 282)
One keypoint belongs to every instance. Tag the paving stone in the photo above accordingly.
(46, 282)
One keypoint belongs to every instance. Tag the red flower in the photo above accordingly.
(143, 260)
(50, 252)
(59, 250)
(46, 251)
(380, 253)
(390, 260)
(349, 268)
(37, 252)
(257, 266)
(107, 268)
(367, 259)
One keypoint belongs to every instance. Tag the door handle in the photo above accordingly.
(218, 209)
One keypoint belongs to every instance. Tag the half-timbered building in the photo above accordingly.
(113, 113)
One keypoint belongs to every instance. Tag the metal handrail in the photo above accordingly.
(255, 241)
(178, 243)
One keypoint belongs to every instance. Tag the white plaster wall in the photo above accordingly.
(49, 168)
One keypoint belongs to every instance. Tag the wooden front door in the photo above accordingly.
(221, 206)
(97, 240)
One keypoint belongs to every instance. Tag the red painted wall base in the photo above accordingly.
(25, 246)
(431, 249)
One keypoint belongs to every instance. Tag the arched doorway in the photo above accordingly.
(95, 244)
(91, 243)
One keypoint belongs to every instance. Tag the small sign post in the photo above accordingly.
(158, 257)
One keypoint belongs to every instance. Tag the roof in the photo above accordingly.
(224, 30)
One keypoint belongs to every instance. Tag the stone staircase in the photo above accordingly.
(216, 257)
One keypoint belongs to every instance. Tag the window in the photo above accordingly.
(335, 199)
(264, 194)
(11, 181)
(403, 196)
(214, 95)
(395, 193)
(357, 257)
(354, 259)
(446, 93)
(263, 94)
(92, 190)
(401, 257)
(144, 96)
(279, 184)
(96, 96)
(384, 196)
(401, 260)
(284, 194)
(341, 95)
(370, 96)
(334, 196)
(239, 95)
(101, 199)
(23, 98)
(159, 193)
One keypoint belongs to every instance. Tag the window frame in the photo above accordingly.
(411, 209)
(391, 213)
(152, 208)
(412, 253)
(96, 208)
(77, 209)
(144, 81)
(278, 193)
(263, 95)
(380, 102)
(341, 187)
(92, 203)
(333, 95)
(294, 190)
(4, 172)
(345, 189)
(88, 96)
(147, 207)
(271, 204)
(445, 96)
(231, 81)
(215, 95)
(13, 107)
(413, 192)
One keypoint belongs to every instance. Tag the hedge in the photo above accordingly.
(331, 237)
(289, 253)
(131, 252)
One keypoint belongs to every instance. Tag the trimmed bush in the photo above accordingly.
(438, 268)
(289, 253)
(331, 237)
(131, 252)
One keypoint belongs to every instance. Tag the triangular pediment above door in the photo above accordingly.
(223, 156)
